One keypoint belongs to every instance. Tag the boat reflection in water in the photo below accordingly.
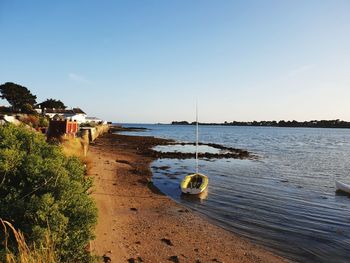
(195, 198)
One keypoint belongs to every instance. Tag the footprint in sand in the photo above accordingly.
(167, 241)
(174, 259)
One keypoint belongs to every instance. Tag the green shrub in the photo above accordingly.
(41, 187)
(88, 124)
(43, 121)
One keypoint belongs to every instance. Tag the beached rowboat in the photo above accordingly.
(342, 187)
(194, 183)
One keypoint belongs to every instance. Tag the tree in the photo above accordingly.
(39, 188)
(27, 108)
(18, 96)
(52, 104)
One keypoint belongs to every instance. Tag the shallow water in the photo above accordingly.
(285, 200)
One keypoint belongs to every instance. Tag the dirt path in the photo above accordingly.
(137, 224)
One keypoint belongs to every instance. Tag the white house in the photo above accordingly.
(75, 114)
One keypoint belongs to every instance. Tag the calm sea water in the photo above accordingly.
(286, 200)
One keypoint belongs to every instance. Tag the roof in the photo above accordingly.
(63, 111)
(78, 111)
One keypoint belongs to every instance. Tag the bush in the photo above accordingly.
(43, 121)
(88, 124)
(31, 120)
(27, 108)
(41, 187)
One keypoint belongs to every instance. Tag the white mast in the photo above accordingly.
(196, 137)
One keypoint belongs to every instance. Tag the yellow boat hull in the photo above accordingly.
(194, 183)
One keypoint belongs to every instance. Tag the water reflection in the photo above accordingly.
(195, 198)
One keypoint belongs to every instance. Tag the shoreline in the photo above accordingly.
(137, 223)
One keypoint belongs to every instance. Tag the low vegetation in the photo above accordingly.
(41, 188)
(74, 146)
(45, 253)
(89, 124)
(35, 121)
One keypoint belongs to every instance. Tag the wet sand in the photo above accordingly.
(139, 224)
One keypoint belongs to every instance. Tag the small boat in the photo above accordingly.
(340, 186)
(195, 183)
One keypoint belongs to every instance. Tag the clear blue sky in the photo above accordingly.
(148, 61)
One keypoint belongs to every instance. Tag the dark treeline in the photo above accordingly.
(308, 124)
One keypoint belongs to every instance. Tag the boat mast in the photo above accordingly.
(196, 137)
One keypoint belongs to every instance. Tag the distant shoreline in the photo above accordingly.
(280, 124)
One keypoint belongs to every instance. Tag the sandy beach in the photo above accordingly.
(139, 224)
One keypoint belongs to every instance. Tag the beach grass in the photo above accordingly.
(43, 253)
(73, 146)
